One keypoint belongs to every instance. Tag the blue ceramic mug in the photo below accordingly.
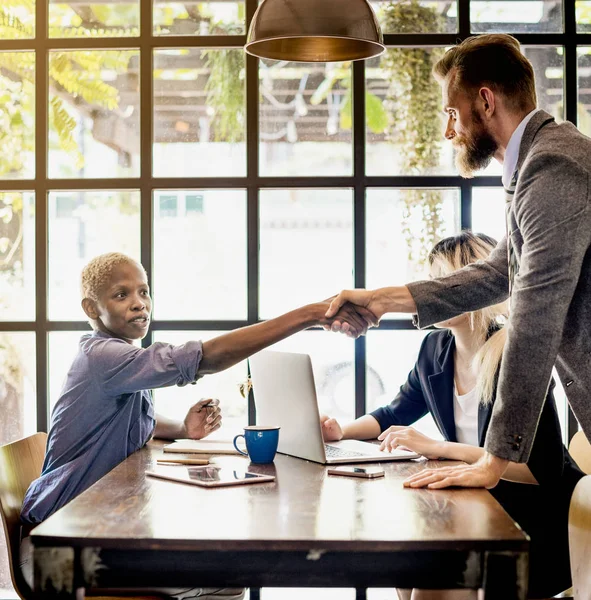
(261, 443)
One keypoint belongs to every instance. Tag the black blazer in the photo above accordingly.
(541, 510)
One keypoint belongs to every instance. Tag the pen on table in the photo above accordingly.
(208, 405)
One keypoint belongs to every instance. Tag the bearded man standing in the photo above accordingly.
(543, 264)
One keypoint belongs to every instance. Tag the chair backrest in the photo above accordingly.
(579, 539)
(580, 449)
(20, 464)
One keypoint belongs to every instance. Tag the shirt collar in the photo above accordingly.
(512, 151)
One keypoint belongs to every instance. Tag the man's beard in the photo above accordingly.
(475, 151)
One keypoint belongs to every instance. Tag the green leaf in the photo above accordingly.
(346, 115)
(375, 113)
(17, 119)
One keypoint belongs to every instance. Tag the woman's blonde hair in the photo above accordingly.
(452, 254)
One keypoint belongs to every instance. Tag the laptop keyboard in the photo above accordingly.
(334, 452)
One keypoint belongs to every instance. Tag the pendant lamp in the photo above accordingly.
(314, 31)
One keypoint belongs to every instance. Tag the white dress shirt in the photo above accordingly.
(466, 416)
(512, 151)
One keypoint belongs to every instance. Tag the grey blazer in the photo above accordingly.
(550, 323)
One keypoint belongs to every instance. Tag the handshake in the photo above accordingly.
(351, 312)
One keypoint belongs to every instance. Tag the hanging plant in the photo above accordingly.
(225, 93)
(413, 100)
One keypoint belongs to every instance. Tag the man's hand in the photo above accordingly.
(350, 320)
(484, 473)
(407, 438)
(360, 298)
(203, 418)
(331, 429)
(377, 302)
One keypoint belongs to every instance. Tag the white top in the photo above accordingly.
(512, 151)
(466, 417)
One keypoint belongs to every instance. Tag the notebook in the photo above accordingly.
(201, 447)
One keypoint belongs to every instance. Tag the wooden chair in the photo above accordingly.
(20, 464)
(579, 537)
(580, 450)
(579, 523)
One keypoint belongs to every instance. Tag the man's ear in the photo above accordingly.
(487, 101)
(90, 308)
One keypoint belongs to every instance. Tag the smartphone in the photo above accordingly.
(365, 472)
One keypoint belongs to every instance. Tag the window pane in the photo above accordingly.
(63, 346)
(200, 255)
(17, 256)
(548, 64)
(306, 247)
(305, 118)
(105, 18)
(199, 118)
(199, 18)
(584, 89)
(516, 16)
(174, 402)
(98, 222)
(488, 212)
(94, 120)
(17, 114)
(583, 9)
(19, 412)
(416, 17)
(391, 355)
(17, 386)
(333, 363)
(17, 20)
(402, 227)
(403, 115)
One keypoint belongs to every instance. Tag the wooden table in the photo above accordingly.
(306, 529)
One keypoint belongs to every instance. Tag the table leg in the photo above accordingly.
(505, 575)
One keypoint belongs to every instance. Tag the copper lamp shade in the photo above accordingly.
(314, 31)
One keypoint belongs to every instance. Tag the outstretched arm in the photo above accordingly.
(475, 286)
(226, 350)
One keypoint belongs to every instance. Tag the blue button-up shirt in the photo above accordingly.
(104, 413)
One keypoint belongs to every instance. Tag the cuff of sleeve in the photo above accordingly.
(380, 416)
(510, 447)
(423, 317)
(187, 357)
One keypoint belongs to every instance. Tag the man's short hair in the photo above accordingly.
(98, 271)
(491, 60)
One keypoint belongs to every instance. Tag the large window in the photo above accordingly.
(245, 187)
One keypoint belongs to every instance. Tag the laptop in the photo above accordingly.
(285, 395)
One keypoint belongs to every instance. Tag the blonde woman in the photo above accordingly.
(454, 379)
